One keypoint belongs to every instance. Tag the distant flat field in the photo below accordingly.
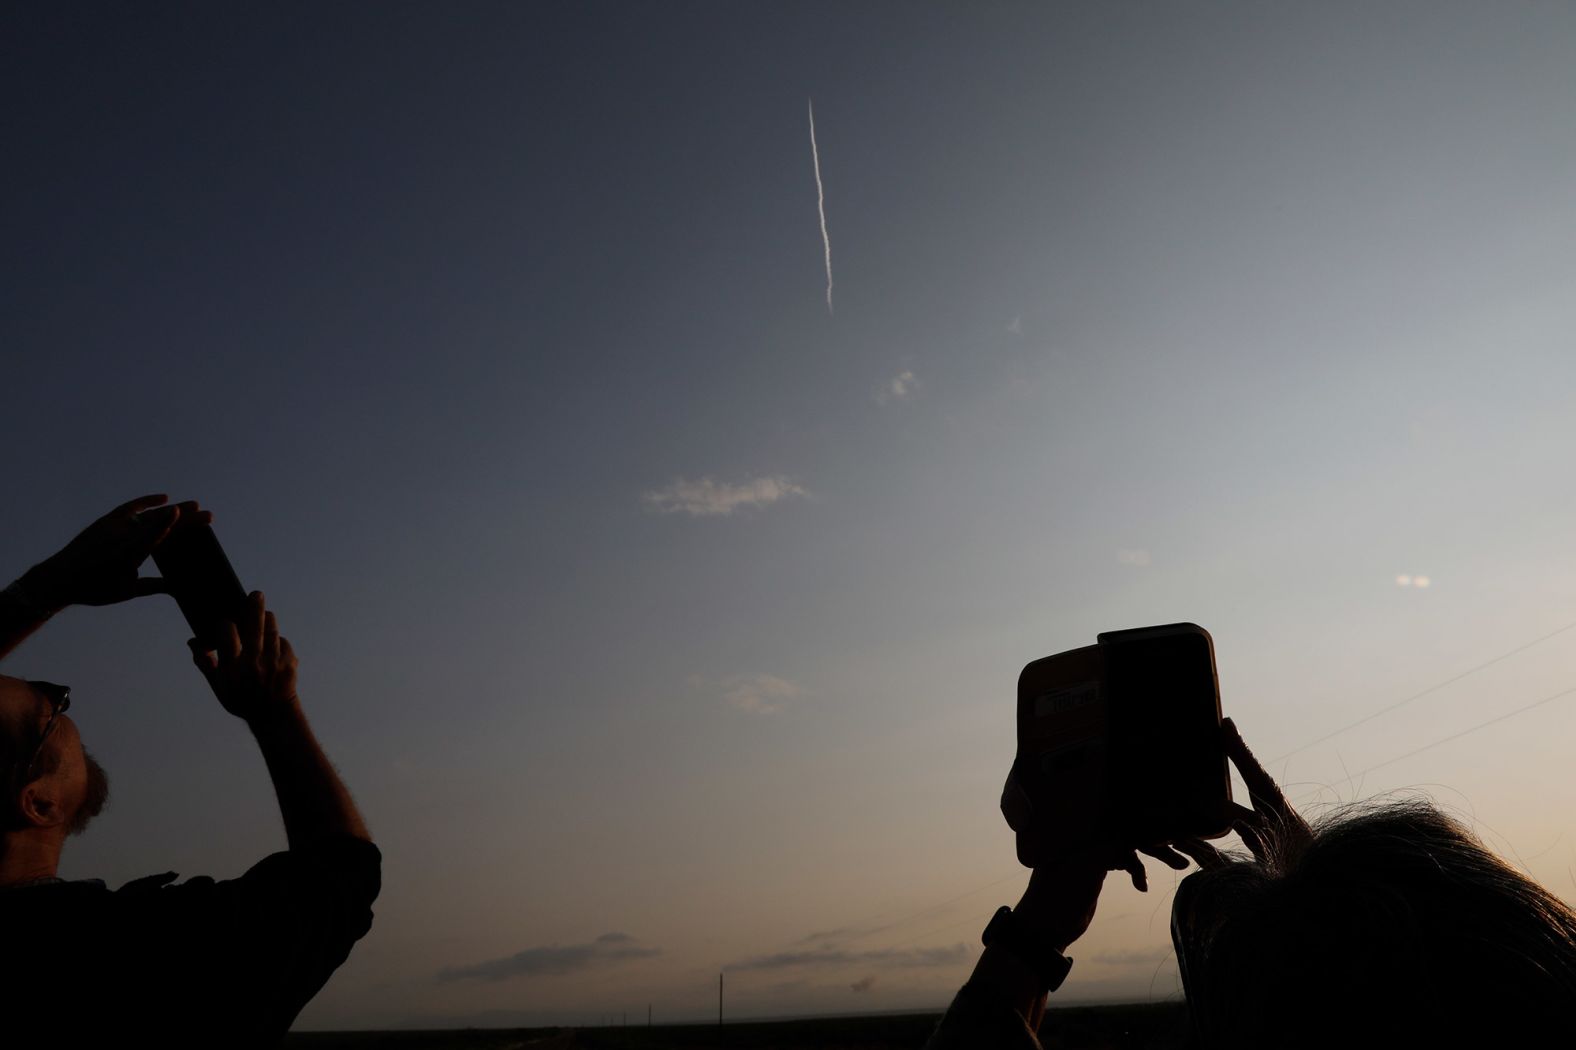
(1117, 1027)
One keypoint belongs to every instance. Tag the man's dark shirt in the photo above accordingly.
(208, 963)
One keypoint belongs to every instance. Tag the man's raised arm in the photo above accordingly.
(98, 567)
(254, 676)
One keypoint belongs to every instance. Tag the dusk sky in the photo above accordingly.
(665, 621)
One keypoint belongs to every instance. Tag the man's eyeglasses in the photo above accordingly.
(59, 697)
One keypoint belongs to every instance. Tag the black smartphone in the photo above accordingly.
(1121, 740)
(201, 579)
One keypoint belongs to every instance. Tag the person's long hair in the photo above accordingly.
(1389, 925)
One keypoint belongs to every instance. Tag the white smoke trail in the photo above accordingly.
(820, 203)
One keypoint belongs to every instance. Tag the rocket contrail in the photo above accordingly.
(820, 203)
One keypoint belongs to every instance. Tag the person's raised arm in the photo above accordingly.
(1003, 1002)
(254, 676)
(98, 567)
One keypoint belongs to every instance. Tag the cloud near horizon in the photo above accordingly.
(705, 497)
(554, 960)
(1140, 957)
(843, 933)
(947, 955)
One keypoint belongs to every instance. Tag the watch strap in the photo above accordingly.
(1006, 931)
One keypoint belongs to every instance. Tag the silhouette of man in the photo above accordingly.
(228, 963)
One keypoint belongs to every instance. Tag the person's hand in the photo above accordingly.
(1060, 900)
(1069, 858)
(1272, 818)
(99, 566)
(253, 672)
(1067, 825)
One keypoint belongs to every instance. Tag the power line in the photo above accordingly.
(1018, 874)
(1457, 736)
(1419, 695)
(932, 933)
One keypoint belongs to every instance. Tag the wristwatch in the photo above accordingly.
(1006, 932)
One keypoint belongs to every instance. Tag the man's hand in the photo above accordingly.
(99, 566)
(253, 673)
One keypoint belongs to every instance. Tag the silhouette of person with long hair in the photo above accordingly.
(1385, 924)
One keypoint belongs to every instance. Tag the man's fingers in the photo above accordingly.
(201, 656)
(270, 640)
(229, 644)
(192, 514)
(159, 523)
(252, 635)
(131, 506)
(1165, 855)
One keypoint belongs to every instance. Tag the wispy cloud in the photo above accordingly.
(704, 497)
(949, 955)
(843, 933)
(1133, 557)
(1015, 326)
(864, 984)
(759, 694)
(900, 387)
(820, 203)
(554, 960)
(1145, 957)
(1404, 580)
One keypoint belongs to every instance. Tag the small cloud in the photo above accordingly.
(1421, 581)
(864, 984)
(1403, 580)
(759, 694)
(705, 497)
(554, 960)
(900, 387)
(1015, 326)
(1133, 557)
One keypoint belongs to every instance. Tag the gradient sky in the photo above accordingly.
(663, 622)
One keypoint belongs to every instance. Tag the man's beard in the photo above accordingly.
(95, 797)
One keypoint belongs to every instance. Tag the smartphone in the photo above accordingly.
(1120, 741)
(201, 579)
